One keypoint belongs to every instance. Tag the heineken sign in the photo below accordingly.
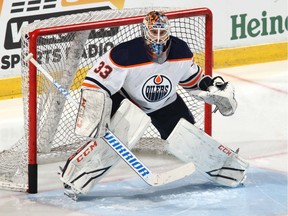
(244, 27)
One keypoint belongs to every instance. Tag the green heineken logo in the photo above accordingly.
(243, 27)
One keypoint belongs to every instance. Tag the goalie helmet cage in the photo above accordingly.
(67, 47)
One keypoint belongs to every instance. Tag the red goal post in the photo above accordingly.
(57, 44)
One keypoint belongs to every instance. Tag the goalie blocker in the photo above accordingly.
(220, 93)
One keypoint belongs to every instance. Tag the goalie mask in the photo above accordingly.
(156, 33)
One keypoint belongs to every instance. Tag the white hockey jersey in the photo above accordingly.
(150, 85)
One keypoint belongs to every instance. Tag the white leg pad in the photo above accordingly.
(219, 163)
(88, 165)
(129, 123)
(96, 158)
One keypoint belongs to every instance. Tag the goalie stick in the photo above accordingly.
(152, 179)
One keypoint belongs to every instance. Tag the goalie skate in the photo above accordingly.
(70, 192)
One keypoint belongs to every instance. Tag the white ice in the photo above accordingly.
(258, 128)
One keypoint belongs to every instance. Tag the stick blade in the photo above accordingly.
(172, 175)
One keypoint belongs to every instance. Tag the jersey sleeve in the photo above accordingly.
(105, 74)
(192, 77)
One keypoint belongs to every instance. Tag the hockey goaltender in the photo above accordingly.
(134, 84)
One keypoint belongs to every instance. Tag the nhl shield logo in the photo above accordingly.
(156, 88)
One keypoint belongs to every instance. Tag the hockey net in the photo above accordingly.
(67, 47)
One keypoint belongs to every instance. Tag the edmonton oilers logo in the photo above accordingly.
(156, 88)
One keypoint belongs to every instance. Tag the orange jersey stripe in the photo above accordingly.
(193, 81)
(90, 85)
(177, 60)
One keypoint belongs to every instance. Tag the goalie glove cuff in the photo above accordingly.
(205, 82)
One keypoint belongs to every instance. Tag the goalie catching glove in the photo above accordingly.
(221, 94)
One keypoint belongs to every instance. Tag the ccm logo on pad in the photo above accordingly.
(89, 148)
(225, 150)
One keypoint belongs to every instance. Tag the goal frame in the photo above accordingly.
(32, 100)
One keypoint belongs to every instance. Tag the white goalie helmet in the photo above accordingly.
(156, 33)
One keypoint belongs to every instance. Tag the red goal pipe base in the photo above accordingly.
(32, 178)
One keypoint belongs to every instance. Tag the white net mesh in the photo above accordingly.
(67, 56)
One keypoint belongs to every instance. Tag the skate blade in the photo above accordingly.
(71, 194)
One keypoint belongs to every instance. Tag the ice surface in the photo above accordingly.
(264, 193)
